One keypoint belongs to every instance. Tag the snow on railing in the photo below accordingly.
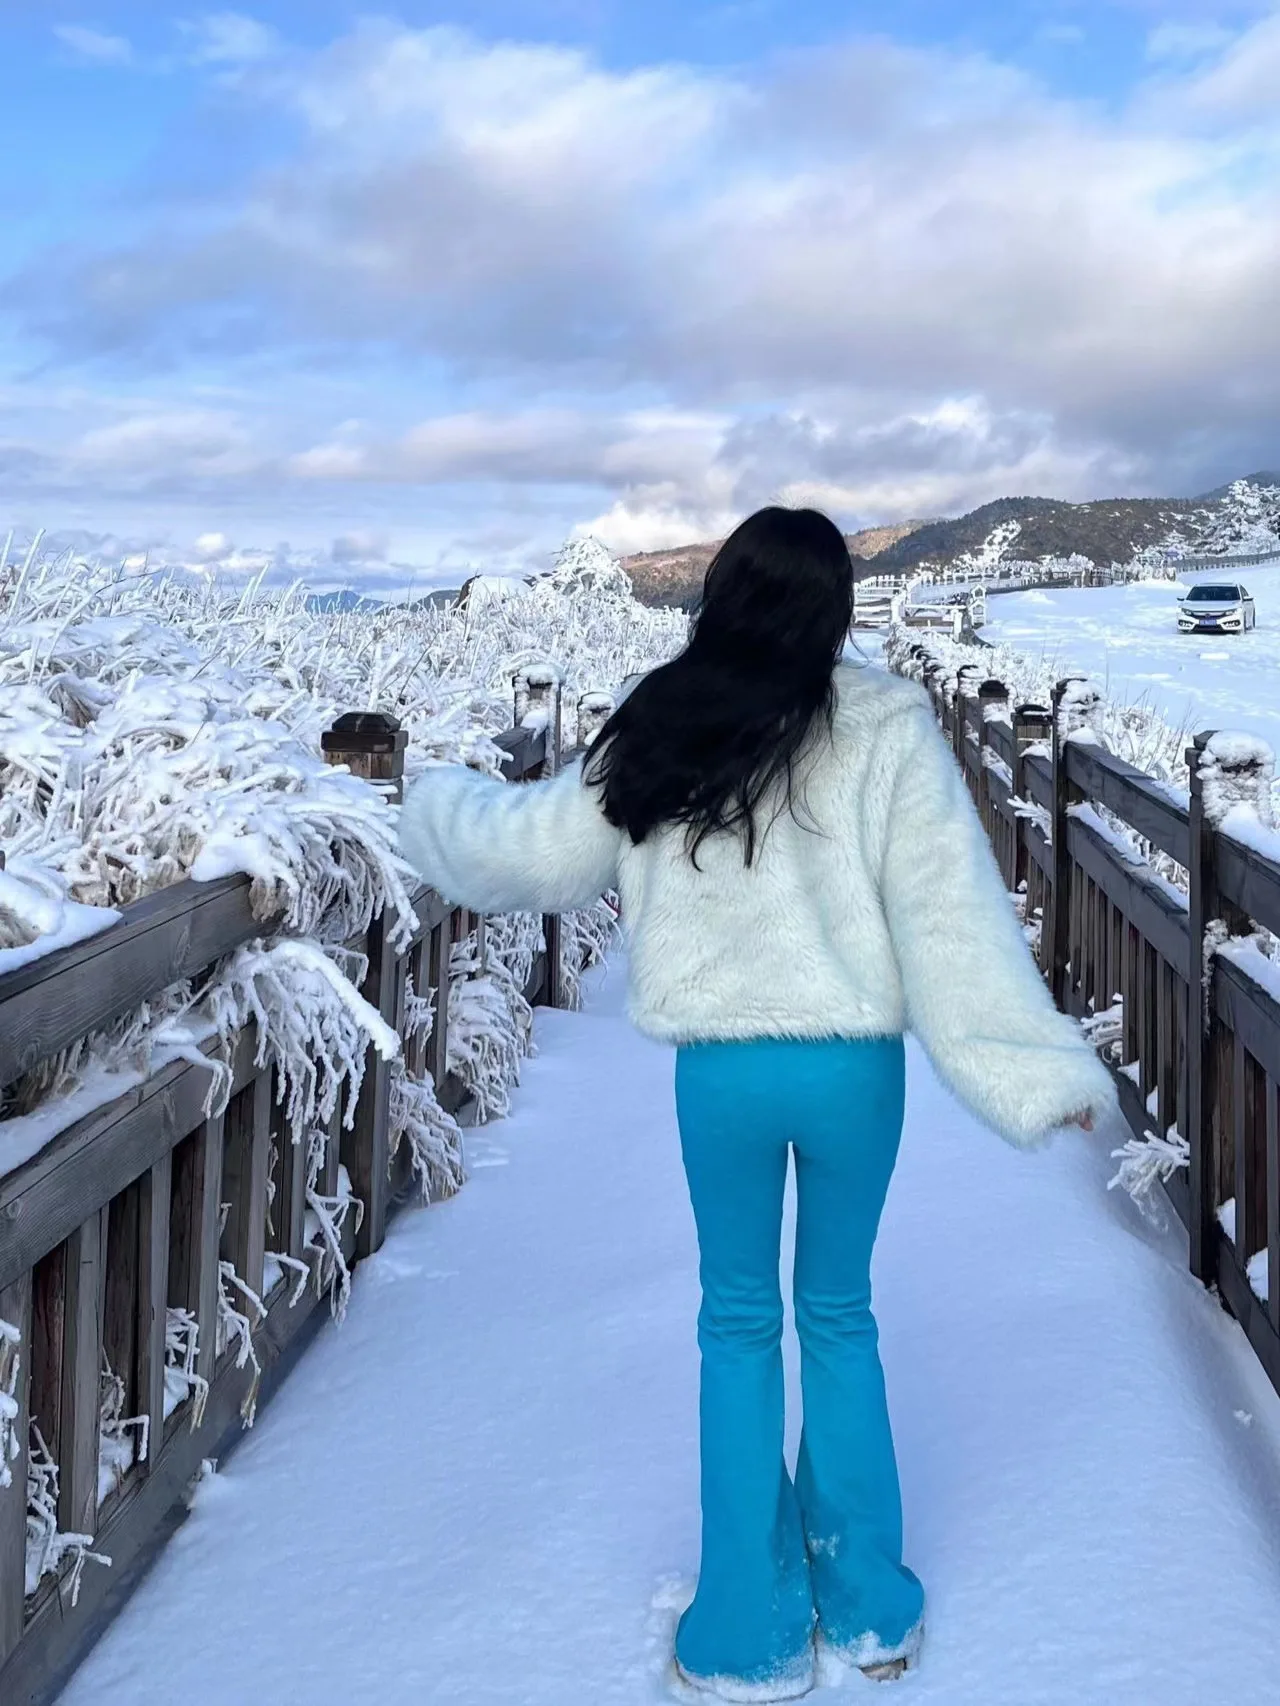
(1156, 913)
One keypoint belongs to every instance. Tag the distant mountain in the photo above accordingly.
(1237, 517)
(341, 603)
(1108, 530)
(1265, 478)
(674, 578)
(344, 602)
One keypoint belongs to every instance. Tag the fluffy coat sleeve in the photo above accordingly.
(496, 846)
(974, 996)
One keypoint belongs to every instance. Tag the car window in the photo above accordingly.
(1212, 594)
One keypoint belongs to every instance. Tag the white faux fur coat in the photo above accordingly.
(875, 907)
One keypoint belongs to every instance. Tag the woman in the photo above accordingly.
(802, 877)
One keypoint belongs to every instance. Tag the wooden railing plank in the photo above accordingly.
(999, 736)
(154, 1202)
(439, 949)
(124, 1279)
(204, 1279)
(1247, 1308)
(364, 1149)
(1132, 795)
(290, 1209)
(1037, 774)
(1249, 880)
(1143, 899)
(1249, 1011)
(526, 750)
(89, 1163)
(172, 935)
(246, 1157)
(81, 1393)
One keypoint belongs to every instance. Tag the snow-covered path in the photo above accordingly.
(481, 1489)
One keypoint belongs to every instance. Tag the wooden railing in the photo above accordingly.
(1149, 913)
(126, 1215)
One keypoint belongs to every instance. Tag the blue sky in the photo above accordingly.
(406, 293)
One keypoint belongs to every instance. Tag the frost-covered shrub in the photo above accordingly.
(490, 1025)
(156, 728)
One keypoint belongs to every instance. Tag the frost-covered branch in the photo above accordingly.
(1146, 1162)
(49, 1550)
(435, 1142)
(123, 1440)
(181, 1380)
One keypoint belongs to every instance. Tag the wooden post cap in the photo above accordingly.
(365, 731)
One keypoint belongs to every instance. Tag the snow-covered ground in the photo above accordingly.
(1126, 637)
(482, 1489)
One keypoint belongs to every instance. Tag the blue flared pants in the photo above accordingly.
(781, 1556)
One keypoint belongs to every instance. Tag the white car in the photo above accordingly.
(1221, 607)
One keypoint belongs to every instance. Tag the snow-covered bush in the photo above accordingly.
(160, 727)
(157, 727)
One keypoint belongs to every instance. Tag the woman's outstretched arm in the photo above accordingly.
(504, 847)
(974, 996)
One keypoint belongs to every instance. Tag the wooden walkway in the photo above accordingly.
(482, 1488)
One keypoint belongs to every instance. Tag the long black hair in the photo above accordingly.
(704, 739)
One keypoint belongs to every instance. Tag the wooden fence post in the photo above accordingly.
(552, 929)
(959, 720)
(371, 744)
(245, 1171)
(81, 1389)
(1033, 725)
(538, 694)
(1206, 1133)
(1064, 796)
(594, 711)
(993, 696)
(155, 1196)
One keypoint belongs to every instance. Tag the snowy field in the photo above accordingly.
(482, 1489)
(1126, 638)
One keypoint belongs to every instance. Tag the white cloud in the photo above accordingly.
(158, 447)
(1239, 85)
(213, 547)
(94, 45)
(1187, 41)
(901, 280)
(229, 38)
